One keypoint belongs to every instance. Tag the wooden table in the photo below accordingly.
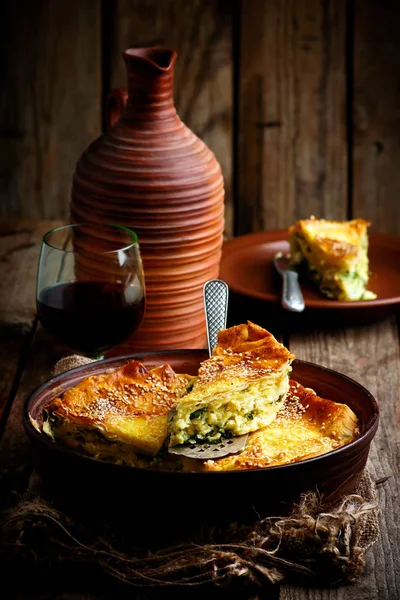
(369, 354)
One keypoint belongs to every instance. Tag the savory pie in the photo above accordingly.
(335, 256)
(239, 389)
(118, 415)
(122, 416)
(306, 426)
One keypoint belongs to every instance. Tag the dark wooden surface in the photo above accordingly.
(298, 100)
(292, 129)
(369, 354)
(50, 97)
(376, 113)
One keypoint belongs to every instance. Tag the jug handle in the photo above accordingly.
(115, 106)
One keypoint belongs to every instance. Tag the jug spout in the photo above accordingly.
(150, 82)
(161, 59)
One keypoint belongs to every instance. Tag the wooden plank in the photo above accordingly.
(377, 113)
(201, 32)
(50, 102)
(370, 355)
(19, 252)
(20, 243)
(13, 341)
(292, 136)
(15, 466)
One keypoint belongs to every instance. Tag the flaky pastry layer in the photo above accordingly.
(128, 406)
(238, 389)
(335, 255)
(306, 426)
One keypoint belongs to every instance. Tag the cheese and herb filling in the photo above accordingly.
(335, 255)
(238, 390)
(122, 416)
(117, 415)
(306, 426)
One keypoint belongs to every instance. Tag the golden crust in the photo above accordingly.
(337, 241)
(238, 389)
(334, 255)
(243, 352)
(131, 390)
(130, 404)
(306, 426)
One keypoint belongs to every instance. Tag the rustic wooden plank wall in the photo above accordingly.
(292, 132)
(312, 126)
(49, 101)
(376, 109)
(299, 100)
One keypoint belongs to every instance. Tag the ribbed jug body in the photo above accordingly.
(150, 172)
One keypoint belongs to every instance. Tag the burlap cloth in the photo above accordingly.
(310, 545)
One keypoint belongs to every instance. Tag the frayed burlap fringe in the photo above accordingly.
(308, 545)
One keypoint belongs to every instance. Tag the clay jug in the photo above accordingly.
(151, 173)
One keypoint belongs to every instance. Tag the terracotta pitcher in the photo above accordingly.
(152, 173)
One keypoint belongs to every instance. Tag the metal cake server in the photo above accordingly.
(216, 308)
(292, 298)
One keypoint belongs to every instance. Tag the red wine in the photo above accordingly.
(90, 317)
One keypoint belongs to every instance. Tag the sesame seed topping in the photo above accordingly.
(125, 393)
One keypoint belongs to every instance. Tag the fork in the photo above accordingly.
(215, 294)
(292, 298)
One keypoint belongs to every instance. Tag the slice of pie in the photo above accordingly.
(306, 426)
(115, 415)
(335, 256)
(238, 390)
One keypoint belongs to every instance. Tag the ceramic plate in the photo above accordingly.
(247, 267)
(269, 489)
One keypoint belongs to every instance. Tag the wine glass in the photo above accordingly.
(90, 286)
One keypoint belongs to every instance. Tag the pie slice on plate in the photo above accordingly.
(334, 255)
